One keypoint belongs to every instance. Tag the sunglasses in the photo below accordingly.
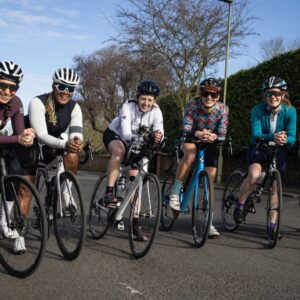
(273, 93)
(12, 88)
(206, 94)
(63, 88)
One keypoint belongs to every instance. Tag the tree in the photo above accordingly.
(109, 78)
(190, 35)
(271, 48)
(276, 46)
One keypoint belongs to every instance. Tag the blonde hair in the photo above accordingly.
(285, 99)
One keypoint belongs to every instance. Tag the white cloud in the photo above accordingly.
(68, 12)
(62, 35)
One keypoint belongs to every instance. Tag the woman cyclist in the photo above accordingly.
(273, 120)
(206, 120)
(134, 114)
(11, 108)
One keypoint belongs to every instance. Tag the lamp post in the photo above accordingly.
(220, 158)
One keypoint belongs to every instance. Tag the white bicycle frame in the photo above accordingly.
(137, 183)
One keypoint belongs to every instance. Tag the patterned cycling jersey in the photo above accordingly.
(16, 115)
(196, 118)
(130, 119)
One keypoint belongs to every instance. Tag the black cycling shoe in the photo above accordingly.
(138, 232)
(109, 200)
(238, 215)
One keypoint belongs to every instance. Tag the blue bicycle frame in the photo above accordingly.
(193, 185)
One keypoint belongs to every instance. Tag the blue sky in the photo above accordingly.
(44, 35)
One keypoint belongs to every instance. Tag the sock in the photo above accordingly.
(240, 206)
(109, 190)
(3, 222)
(176, 187)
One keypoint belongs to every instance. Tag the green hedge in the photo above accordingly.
(245, 90)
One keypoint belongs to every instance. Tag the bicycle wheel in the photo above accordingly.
(42, 187)
(98, 214)
(201, 211)
(69, 216)
(168, 215)
(274, 209)
(30, 223)
(147, 209)
(230, 199)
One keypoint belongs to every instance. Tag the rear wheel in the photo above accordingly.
(230, 199)
(98, 213)
(168, 215)
(69, 216)
(22, 256)
(202, 207)
(274, 206)
(145, 207)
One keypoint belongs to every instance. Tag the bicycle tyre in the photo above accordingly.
(230, 199)
(42, 187)
(202, 209)
(149, 214)
(32, 228)
(273, 234)
(69, 227)
(98, 214)
(168, 215)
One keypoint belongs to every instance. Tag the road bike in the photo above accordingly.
(270, 182)
(31, 225)
(197, 188)
(63, 202)
(140, 198)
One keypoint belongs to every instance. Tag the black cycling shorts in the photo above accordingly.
(262, 157)
(109, 136)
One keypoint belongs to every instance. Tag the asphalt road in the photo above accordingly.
(235, 266)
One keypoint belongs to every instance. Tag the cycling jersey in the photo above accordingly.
(261, 123)
(16, 115)
(130, 119)
(196, 118)
(50, 126)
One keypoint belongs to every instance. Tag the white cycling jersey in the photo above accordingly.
(130, 119)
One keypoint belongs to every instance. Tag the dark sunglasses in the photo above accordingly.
(273, 93)
(212, 94)
(12, 88)
(65, 88)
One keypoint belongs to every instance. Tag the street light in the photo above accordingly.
(220, 158)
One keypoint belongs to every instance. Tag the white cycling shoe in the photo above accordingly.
(19, 246)
(174, 202)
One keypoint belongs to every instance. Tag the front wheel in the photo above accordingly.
(274, 206)
(144, 215)
(69, 216)
(230, 199)
(22, 256)
(202, 208)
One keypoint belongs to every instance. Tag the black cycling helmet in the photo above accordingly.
(10, 71)
(148, 87)
(210, 84)
(275, 83)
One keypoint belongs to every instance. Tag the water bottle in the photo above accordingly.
(121, 183)
(261, 178)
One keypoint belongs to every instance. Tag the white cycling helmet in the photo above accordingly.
(10, 71)
(66, 76)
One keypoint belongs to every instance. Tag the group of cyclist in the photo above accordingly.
(55, 119)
